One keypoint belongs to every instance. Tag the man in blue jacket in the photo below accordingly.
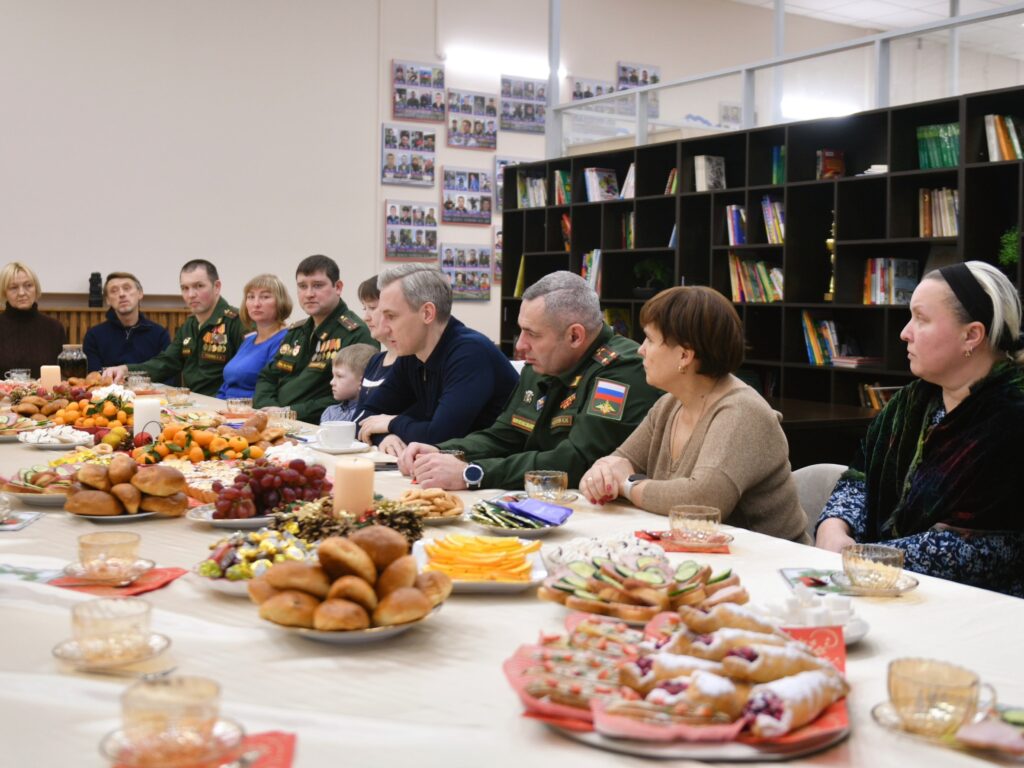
(127, 335)
(448, 381)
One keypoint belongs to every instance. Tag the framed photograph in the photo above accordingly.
(410, 230)
(730, 114)
(588, 88)
(630, 74)
(523, 104)
(417, 91)
(500, 163)
(496, 258)
(408, 154)
(472, 120)
(468, 266)
(466, 196)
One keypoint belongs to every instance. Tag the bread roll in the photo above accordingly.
(168, 506)
(121, 468)
(631, 612)
(258, 421)
(305, 577)
(355, 589)
(91, 502)
(128, 495)
(260, 591)
(401, 573)
(435, 585)
(290, 608)
(342, 557)
(94, 476)
(335, 615)
(53, 406)
(384, 545)
(159, 480)
(403, 605)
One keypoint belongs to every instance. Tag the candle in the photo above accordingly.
(49, 376)
(147, 416)
(353, 485)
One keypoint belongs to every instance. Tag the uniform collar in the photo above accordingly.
(217, 315)
(602, 338)
(337, 312)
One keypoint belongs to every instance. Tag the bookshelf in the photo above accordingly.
(876, 216)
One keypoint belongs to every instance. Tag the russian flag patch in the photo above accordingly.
(608, 399)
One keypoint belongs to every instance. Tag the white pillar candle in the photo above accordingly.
(147, 416)
(49, 376)
(353, 485)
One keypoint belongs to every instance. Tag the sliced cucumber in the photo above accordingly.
(600, 562)
(577, 582)
(720, 576)
(582, 568)
(607, 579)
(585, 595)
(645, 561)
(685, 589)
(1013, 716)
(564, 586)
(687, 570)
(651, 576)
(624, 570)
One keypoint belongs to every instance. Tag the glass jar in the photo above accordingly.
(72, 362)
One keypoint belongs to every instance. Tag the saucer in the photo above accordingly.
(71, 652)
(224, 744)
(120, 577)
(905, 583)
(355, 446)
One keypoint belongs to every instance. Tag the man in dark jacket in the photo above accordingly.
(127, 335)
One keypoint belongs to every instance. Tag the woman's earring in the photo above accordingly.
(968, 352)
(681, 368)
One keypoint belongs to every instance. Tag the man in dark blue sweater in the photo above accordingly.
(448, 381)
(127, 336)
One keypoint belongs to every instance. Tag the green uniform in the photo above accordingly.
(300, 374)
(199, 352)
(564, 422)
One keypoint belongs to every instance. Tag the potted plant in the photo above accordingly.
(1009, 247)
(651, 276)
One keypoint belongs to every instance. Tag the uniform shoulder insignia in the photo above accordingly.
(605, 355)
(296, 325)
(348, 323)
(231, 313)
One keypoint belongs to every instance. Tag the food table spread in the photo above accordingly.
(435, 695)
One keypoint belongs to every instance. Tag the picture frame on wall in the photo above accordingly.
(472, 120)
(466, 196)
(631, 74)
(410, 230)
(496, 257)
(417, 91)
(468, 267)
(588, 88)
(408, 154)
(523, 104)
(500, 164)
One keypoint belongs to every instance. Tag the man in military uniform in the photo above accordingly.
(202, 346)
(582, 392)
(299, 376)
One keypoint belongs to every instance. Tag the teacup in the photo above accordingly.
(546, 485)
(18, 375)
(108, 554)
(111, 629)
(336, 434)
(178, 395)
(935, 698)
(692, 522)
(170, 720)
(872, 566)
(239, 404)
(139, 382)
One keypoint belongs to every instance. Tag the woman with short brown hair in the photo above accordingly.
(28, 338)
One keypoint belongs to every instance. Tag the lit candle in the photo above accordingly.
(49, 376)
(147, 416)
(353, 485)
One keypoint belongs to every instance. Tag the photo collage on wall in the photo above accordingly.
(466, 196)
(472, 120)
(586, 89)
(523, 104)
(500, 163)
(468, 267)
(498, 245)
(633, 75)
(410, 230)
(408, 155)
(417, 91)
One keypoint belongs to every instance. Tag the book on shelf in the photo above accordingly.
(673, 239)
(816, 350)
(875, 395)
(736, 224)
(938, 146)
(671, 185)
(1001, 138)
(629, 185)
(754, 282)
(779, 164)
(563, 188)
(938, 212)
(601, 184)
(830, 164)
(591, 269)
(618, 318)
(890, 281)
(856, 361)
(774, 220)
(708, 172)
(520, 279)
(533, 192)
(566, 232)
(628, 227)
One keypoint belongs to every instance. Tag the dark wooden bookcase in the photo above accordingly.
(876, 216)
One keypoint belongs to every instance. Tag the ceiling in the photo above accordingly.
(1004, 37)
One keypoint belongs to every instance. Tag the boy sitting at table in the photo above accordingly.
(348, 366)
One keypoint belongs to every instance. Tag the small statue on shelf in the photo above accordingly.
(830, 245)
(95, 290)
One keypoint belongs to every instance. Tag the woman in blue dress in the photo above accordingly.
(267, 306)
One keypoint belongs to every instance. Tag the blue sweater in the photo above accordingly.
(242, 370)
(111, 343)
(462, 387)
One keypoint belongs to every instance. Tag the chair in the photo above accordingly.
(814, 485)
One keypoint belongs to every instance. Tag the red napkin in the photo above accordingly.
(664, 540)
(278, 748)
(154, 579)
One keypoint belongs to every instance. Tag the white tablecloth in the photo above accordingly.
(436, 695)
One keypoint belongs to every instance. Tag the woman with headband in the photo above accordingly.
(938, 474)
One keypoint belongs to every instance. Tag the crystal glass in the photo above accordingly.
(108, 553)
(178, 395)
(111, 629)
(170, 720)
(239, 404)
(692, 522)
(872, 566)
(546, 485)
(935, 698)
(139, 382)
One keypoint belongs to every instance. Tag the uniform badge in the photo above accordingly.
(608, 400)
(540, 403)
(528, 396)
(323, 335)
(523, 423)
(285, 349)
(575, 382)
(348, 323)
(568, 401)
(605, 355)
(565, 420)
(295, 349)
(186, 341)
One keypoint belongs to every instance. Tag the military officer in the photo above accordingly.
(205, 342)
(582, 392)
(299, 376)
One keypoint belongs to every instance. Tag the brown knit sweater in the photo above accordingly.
(29, 339)
(737, 460)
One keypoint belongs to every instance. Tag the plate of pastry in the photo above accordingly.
(355, 636)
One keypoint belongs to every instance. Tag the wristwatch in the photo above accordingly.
(631, 482)
(473, 474)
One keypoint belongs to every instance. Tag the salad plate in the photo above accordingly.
(204, 514)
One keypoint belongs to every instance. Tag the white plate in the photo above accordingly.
(354, 636)
(204, 514)
(133, 574)
(537, 574)
(126, 518)
(523, 533)
(40, 499)
(70, 652)
(224, 586)
(905, 583)
(225, 744)
(58, 446)
(355, 446)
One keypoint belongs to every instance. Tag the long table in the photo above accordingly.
(436, 695)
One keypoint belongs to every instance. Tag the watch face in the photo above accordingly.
(473, 474)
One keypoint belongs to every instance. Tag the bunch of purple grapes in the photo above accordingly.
(265, 486)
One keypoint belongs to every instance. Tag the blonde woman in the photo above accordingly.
(266, 306)
(28, 338)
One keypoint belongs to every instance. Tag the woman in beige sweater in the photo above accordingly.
(711, 440)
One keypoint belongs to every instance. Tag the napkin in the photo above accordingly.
(278, 748)
(147, 582)
(664, 540)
